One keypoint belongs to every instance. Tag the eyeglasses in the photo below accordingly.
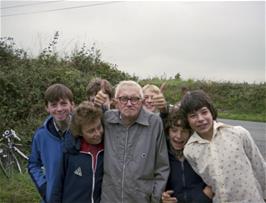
(125, 99)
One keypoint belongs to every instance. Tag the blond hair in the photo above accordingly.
(152, 88)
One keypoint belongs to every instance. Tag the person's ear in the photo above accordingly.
(72, 106)
(46, 109)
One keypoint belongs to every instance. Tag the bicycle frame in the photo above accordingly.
(8, 158)
(20, 153)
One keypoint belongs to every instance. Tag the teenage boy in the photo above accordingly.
(47, 142)
(226, 157)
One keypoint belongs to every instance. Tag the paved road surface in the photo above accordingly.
(256, 129)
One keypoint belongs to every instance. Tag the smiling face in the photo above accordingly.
(60, 110)
(148, 100)
(201, 121)
(178, 136)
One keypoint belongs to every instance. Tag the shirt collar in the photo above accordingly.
(142, 119)
(61, 130)
(196, 138)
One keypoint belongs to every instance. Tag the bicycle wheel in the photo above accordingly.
(3, 169)
(8, 161)
(16, 162)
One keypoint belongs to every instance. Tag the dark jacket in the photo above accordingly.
(187, 185)
(78, 181)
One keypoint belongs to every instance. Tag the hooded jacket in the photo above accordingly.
(44, 160)
(80, 177)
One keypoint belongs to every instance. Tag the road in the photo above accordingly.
(256, 129)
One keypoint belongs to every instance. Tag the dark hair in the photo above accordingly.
(84, 114)
(56, 92)
(172, 120)
(193, 101)
(95, 86)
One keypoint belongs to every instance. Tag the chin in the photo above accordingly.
(61, 117)
(153, 110)
(130, 115)
(96, 142)
(178, 147)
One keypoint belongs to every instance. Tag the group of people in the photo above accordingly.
(131, 146)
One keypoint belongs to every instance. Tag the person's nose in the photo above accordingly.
(178, 134)
(129, 102)
(200, 117)
(97, 133)
(149, 99)
(59, 107)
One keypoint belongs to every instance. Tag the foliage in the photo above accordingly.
(23, 81)
(178, 76)
(233, 100)
(18, 188)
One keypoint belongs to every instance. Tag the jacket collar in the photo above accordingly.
(87, 147)
(196, 138)
(142, 119)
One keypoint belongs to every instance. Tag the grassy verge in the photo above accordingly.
(243, 116)
(18, 189)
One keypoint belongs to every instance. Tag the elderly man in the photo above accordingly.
(136, 166)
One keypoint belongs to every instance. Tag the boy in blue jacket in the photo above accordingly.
(47, 143)
(80, 178)
(184, 185)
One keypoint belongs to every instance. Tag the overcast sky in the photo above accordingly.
(213, 40)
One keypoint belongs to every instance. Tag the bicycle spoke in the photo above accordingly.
(8, 163)
(11, 156)
(3, 169)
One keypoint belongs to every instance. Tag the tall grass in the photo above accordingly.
(18, 189)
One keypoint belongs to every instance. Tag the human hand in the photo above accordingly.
(159, 102)
(166, 197)
(208, 192)
(113, 103)
(101, 98)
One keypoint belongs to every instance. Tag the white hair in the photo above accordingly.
(128, 83)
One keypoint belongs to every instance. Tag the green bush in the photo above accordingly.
(241, 101)
(23, 81)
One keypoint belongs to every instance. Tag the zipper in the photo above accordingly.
(183, 178)
(93, 174)
(93, 170)
(124, 166)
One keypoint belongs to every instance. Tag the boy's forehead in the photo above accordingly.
(58, 100)
(198, 109)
